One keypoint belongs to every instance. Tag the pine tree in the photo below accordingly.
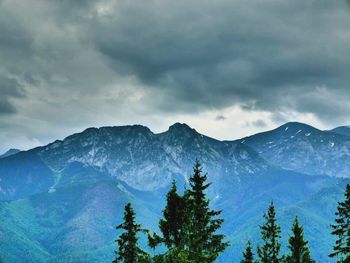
(341, 229)
(203, 243)
(248, 256)
(175, 255)
(172, 225)
(128, 249)
(299, 250)
(271, 234)
(189, 226)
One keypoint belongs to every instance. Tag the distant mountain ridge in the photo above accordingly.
(61, 201)
(159, 157)
(344, 130)
(9, 153)
(303, 148)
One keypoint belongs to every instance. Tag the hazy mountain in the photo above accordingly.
(9, 153)
(344, 130)
(303, 148)
(62, 201)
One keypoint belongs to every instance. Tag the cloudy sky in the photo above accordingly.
(228, 68)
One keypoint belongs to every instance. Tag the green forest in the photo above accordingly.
(189, 232)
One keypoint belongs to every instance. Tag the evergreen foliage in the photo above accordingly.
(203, 243)
(189, 225)
(270, 234)
(341, 229)
(298, 246)
(248, 256)
(173, 224)
(174, 219)
(175, 255)
(128, 249)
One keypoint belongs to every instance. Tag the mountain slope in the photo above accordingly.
(24, 174)
(9, 153)
(300, 147)
(343, 130)
(71, 224)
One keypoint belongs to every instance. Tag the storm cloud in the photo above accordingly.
(90, 63)
(10, 89)
(266, 54)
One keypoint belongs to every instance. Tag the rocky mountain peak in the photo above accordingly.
(179, 128)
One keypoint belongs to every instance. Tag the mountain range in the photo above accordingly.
(60, 202)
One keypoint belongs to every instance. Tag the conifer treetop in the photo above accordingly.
(128, 249)
(341, 229)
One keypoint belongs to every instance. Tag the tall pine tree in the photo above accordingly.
(203, 243)
(341, 229)
(248, 256)
(298, 246)
(128, 249)
(271, 234)
(172, 225)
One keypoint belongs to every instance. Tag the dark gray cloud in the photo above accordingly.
(258, 124)
(110, 60)
(228, 52)
(220, 118)
(10, 89)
